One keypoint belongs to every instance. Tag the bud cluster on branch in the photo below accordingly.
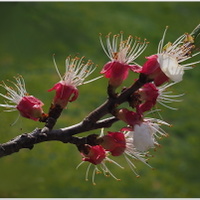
(140, 133)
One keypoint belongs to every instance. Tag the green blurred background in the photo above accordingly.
(30, 33)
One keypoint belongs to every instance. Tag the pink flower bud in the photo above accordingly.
(95, 155)
(117, 72)
(114, 142)
(148, 96)
(129, 117)
(152, 68)
(30, 107)
(64, 94)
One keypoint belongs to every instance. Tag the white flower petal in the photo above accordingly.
(169, 65)
(143, 137)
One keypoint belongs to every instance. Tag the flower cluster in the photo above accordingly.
(66, 90)
(132, 142)
(162, 70)
(140, 133)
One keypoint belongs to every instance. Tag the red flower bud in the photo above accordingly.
(148, 96)
(129, 117)
(30, 107)
(114, 142)
(64, 93)
(152, 68)
(117, 72)
(95, 155)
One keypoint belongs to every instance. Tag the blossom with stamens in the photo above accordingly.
(75, 74)
(145, 134)
(132, 153)
(95, 154)
(149, 95)
(97, 157)
(167, 63)
(145, 130)
(18, 99)
(121, 53)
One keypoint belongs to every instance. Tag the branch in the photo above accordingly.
(111, 103)
(28, 140)
(91, 122)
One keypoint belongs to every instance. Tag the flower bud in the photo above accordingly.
(64, 94)
(148, 95)
(96, 154)
(130, 117)
(30, 107)
(152, 69)
(114, 142)
(116, 72)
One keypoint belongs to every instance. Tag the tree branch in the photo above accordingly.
(28, 140)
(91, 122)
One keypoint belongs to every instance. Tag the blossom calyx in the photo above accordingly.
(30, 107)
(114, 142)
(116, 72)
(152, 69)
(129, 117)
(64, 94)
(95, 154)
(148, 95)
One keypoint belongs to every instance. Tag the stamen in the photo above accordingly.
(105, 169)
(87, 171)
(161, 43)
(189, 64)
(80, 164)
(94, 79)
(54, 61)
(124, 51)
(93, 175)
(172, 108)
(112, 161)
(167, 97)
(77, 70)
(15, 121)
(14, 95)
(132, 166)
